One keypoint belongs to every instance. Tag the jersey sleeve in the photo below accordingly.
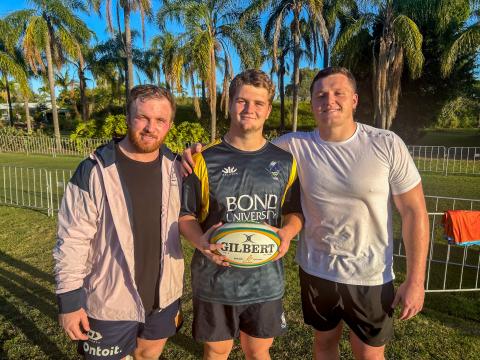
(195, 191)
(291, 198)
(404, 175)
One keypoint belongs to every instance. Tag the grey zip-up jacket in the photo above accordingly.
(94, 255)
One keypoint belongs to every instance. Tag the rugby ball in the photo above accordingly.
(246, 245)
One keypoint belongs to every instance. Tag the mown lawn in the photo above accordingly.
(448, 328)
(450, 137)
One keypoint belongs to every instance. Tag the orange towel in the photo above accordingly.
(462, 225)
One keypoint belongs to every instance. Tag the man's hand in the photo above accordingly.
(411, 296)
(75, 324)
(209, 250)
(187, 159)
(285, 239)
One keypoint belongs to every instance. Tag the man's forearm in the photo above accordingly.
(415, 231)
(191, 230)
(292, 224)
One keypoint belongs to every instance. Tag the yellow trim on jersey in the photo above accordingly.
(201, 172)
(291, 179)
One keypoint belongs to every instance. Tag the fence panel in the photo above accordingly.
(49, 146)
(25, 187)
(429, 158)
(463, 160)
(449, 267)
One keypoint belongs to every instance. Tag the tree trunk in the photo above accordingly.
(296, 67)
(51, 84)
(196, 104)
(281, 91)
(326, 55)
(9, 100)
(83, 92)
(204, 93)
(213, 95)
(27, 113)
(128, 51)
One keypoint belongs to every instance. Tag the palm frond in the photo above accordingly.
(410, 39)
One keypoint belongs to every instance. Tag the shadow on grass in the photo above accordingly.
(29, 328)
(187, 344)
(23, 266)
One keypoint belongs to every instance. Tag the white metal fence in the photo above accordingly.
(453, 160)
(39, 189)
(49, 146)
(449, 267)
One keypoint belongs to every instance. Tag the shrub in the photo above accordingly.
(185, 134)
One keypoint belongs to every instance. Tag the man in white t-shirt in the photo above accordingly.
(349, 174)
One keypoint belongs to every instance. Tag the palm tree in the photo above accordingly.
(52, 31)
(11, 62)
(145, 8)
(212, 29)
(281, 11)
(395, 39)
(467, 40)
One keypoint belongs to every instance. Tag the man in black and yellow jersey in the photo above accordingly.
(240, 178)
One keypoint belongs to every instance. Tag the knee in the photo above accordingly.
(214, 350)
(258, 354)
(148, 352)
(325, 341)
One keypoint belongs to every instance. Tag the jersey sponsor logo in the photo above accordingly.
(283, 323)
(98, 351)
(273, 169)
(229, 170)
(94, 335)
(251, 208)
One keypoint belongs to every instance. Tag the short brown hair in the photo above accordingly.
(332, 70)
(255, 78)
(147, 92)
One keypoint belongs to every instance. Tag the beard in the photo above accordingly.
(136, 140)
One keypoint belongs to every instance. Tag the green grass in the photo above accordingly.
(450, 137)
(39, 161)
(448, 327)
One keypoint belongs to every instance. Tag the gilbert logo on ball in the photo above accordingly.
(246, 245)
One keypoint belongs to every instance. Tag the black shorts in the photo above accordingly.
(112, 340)
(218, 322)
(366, 309)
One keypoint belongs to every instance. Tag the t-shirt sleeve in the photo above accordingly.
(281, 142)
(291, 199)
(195, 191)
(404, 175)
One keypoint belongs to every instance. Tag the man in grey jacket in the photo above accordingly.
(118, 258)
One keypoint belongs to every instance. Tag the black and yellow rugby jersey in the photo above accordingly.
(230, 185)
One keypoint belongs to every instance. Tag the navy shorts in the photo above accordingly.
(113, 340)
(219, 322)
(367, 310)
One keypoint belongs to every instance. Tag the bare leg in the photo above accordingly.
(325, 344)
(255, 348)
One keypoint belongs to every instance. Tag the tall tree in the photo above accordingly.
(11, 61)
(213, 30)
(52, 30)
(128, 6)
(394, 39)
(466, 40)
(308, 12)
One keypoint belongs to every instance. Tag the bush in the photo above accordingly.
(185, 134)
(114, 126)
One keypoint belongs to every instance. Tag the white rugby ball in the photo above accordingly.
(246, 245)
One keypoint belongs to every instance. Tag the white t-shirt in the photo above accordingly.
(345, 193)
